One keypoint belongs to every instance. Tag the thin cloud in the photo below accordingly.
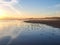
(7, 1)
(55, 6)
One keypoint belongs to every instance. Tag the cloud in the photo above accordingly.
(55, 6)
(8, 1)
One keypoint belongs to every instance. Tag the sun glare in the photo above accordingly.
(2, 13)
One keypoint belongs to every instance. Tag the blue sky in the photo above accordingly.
(31, 8)
(47, 7)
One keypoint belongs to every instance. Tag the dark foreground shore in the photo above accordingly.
(54, 23)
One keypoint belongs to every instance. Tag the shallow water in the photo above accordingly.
(14, 32)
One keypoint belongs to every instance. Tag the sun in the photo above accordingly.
(2, 13)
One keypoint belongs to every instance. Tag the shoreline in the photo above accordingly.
(53, 23)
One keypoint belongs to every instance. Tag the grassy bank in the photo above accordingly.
(54, 23)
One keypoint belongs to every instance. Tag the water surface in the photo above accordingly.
(14, 32)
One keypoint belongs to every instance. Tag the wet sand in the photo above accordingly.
(53, 23)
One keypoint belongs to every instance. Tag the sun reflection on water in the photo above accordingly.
(9, 27)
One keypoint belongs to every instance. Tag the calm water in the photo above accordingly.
(13, 32)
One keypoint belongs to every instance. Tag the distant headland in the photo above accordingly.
(51, 21)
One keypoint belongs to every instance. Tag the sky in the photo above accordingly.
(29, 8)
